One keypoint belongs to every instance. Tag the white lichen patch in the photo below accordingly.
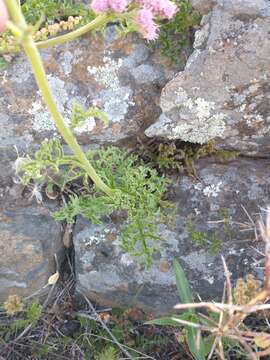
(200, 133)
(205, 123)
(194, 120)
(127, 260)
(201, 36)
(41, 118)
(68, 59)
(87, 126)
(210, 190)
(210, 279)
(107, 74)
(116, 99)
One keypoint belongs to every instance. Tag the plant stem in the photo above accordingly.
(33, 55)
(97, 22)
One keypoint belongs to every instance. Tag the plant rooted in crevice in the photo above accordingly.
(139, 194)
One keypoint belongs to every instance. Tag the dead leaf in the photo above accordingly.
(53, 279)
(262, 341)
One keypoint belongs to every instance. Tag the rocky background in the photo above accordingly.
(223, 94)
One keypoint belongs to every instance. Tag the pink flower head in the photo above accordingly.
(164, 8)
(117, 5)
(147, 25)
(3, 16)
(168, 9)
(99, 6)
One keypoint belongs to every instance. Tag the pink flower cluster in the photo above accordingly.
(145, 18)
(100, 6)
(164, 8)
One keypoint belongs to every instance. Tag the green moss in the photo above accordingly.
(226, 155)
(175, 156)
(176, 34)
(204, 239)
(224, 214)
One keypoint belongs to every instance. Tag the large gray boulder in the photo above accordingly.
(29, 241)
(223, 93)
(211, 216)
(123, 77)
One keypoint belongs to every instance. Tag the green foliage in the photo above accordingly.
(110, 353)
(182, 284)
(175, 35)
(139, 191)
(31, 315)
(175, 156)
(52, 10)
(33, 312)
(3, 63)
(204, 239)
(185, 294)
(79, 115)
(226, 155)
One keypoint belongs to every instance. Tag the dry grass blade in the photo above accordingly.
(228, 285)
(220, 307)
(265, 232)
(195, 325)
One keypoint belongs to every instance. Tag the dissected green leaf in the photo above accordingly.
(138, 191)
(110, 353)
(79, 116)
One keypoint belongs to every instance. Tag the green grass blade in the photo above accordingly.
(182, 284)
(186, 297)
(165, 321)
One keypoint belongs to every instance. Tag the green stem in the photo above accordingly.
(33, 55)
(97, 22)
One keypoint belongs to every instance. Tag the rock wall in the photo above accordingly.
(224, 92)
(123, 77)
(213, 219)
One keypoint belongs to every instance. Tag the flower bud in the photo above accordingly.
(3, 16)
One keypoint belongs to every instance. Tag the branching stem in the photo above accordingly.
(33, 55)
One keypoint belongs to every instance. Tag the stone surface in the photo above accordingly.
(123, 77)
(203, 6)
(215, 210)
(223, 93)
(29, 239)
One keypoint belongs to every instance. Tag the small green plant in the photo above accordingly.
(28, 314)
(139, 191)
(110, 353)
(79, 115)
(176, 35)
(224, 326)
(52, 10)
(204, 239)
(198, 346)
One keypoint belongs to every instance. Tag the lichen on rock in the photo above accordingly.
(228, 76)
(198, 120)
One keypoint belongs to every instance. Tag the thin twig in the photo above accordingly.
(219, 307)
(105, 326)
(228, 285)
(195, 325)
